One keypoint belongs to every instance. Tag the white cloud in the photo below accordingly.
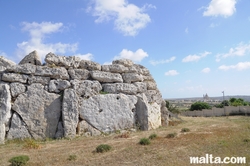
(136, 56)
(206, 70)
(240, 50)
(171, 73)
(224, 8)
(191, 58)
(162, 61)
(186, 30)
(38, 32)
(87, 56)
(239, 66)
(128, 18)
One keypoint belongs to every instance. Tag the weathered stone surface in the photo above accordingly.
(60, 130)
(141, 70)
(106, 76)
(39, 110)
(18, 129)
(115, 68)
(103, 116)
(38, 79)
(154, 96)
(5, 107)
(14, 77)
(79, 74)
(55, 72)
(2, 133)
(148, 115)
(70, 113)
(63, 61)
(89, 65)
(132, 77)
(5, 62)
(87, 130)
(148, 78)
(141, 87)
(86, 88)
(58, 85)
(2, 69)
(164, 114)
(151, 85)
(24, 68)
(16, 89)
(31, 58)
(125, 88)
(124, 62)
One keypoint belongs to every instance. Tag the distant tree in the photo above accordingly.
(238, 102)
(199, 106)
(222, 104)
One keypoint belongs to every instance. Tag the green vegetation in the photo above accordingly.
(238, 102)
(31, 144)
(103, 148)
(72, 157)
(19, 160)
(185, 130)
(199, 106)
(103, 93)
(152, 136)
(171, 135)
(144, 141)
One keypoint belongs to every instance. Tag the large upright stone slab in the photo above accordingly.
(39, 110)
(31, 58)
(109, 112)
(148, 115)
(70, 113)
(5, 107)
(18, 129)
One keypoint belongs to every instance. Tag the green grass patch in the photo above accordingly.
(185, 130)
(171, 135)
(144, 141)
(103, 148)
(152, 136)
(19, 160)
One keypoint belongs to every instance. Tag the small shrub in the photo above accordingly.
(144, 141)
(152, 136)
(19, 160)
(103, 148)
(246, 140)
(72, 157)
(171, 135)
(31, 144)
(185, 130)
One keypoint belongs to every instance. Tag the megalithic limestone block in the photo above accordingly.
(18, 129)
(31, 58)
(5, 107)
(39, 110)
(70, 112)
(109, 112)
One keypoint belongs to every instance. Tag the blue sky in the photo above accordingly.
(191, 47)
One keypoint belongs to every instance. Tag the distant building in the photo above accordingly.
(205, 97)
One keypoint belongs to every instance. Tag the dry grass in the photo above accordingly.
(220, 136)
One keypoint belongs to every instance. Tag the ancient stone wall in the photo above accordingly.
(67, 96)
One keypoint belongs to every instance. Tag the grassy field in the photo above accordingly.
(219, 136)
